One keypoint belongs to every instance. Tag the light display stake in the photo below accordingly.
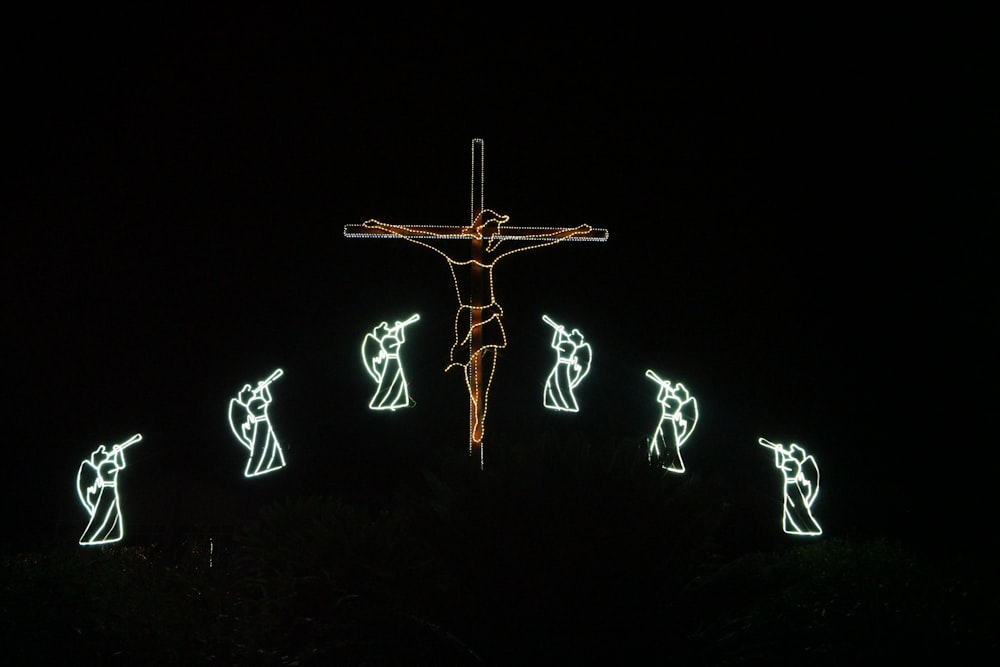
(801, 487)
(249, 410)
(380, 354)
(677, 422)
(479, 330)
(97, 487)
(573, 357)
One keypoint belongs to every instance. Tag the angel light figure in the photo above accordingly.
(801, 487)
(677, 422)
(97, 487)
(380, 354)
(254, 431)
(573, 357)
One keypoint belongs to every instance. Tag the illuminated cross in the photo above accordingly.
(479, 328)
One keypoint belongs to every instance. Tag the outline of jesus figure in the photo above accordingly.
(477, 325)
(97, 487)
(680, 411)
(801, 487)
(380, 354)
(255, 432)
(573, 357)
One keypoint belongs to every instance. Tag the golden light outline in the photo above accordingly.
(478, 320)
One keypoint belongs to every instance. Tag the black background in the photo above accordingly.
(801, 231)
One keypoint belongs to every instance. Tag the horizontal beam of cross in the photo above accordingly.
(509, 233)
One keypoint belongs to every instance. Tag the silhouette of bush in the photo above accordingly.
(121, 604)
(320, 579)
(835, 600)
(565, 548)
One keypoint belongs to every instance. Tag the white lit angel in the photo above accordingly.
(573, 357)
(97, 487)
(677, 422)
(380, 354)
(801, 487)
(249, 410)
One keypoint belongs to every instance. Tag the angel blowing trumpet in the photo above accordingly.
(97, 487)
(255, 431)
(801, 487)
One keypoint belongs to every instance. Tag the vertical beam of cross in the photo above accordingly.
(477, 397)
(483, 328)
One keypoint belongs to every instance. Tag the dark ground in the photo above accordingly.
(566, 549)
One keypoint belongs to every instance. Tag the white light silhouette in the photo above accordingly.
(573, 357)
(249, 409)
(380, 354)
(97, 487)
(680, 411)
(801, 487)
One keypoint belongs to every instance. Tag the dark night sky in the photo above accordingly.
(800, 231)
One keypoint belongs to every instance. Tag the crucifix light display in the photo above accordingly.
(573, 357)
(97, 487)
(801, 487)
(677, 421)
(251, 425)
(483, 242)
(380, 354)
